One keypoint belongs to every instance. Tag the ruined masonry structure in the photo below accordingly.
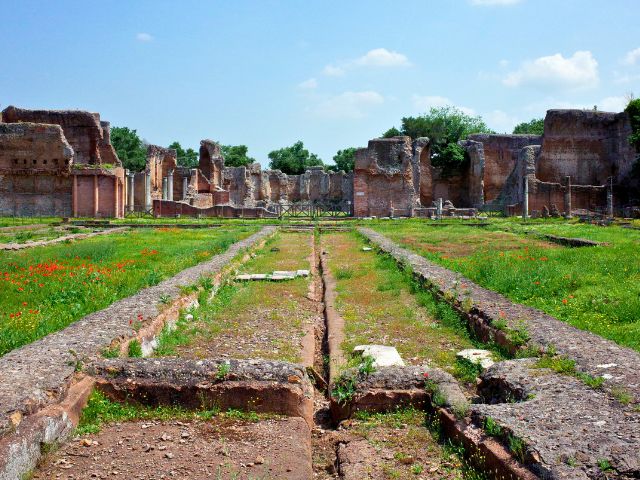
(61, 163)
(58, 163)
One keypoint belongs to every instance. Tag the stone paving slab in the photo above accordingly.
(568, 427)
(593, 354)
(39, 374)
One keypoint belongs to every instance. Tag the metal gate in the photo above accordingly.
(312, 209)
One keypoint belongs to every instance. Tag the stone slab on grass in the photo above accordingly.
(569, 429)
(484, 358)
(383, 356)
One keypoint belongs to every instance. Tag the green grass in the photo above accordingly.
(281, 308)
(44, 289)
(592, 288)
(101, 411)
(383, 304)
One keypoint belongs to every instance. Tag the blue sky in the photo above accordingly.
(331, 73)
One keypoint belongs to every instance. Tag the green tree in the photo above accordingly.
(344, 160)
(392, 132)
(236, 155)
(186, 158)
(532, 127)
(293, 160)
(633, 110)
(444, 126)
(131, 149)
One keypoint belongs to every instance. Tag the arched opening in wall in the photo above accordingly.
(426, 182)
(205, 162)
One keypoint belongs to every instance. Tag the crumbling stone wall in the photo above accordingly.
(589, 146)
(492, 159)
(58, 163)
(89, 137)
(35, 170)
(211, 162)
(384, 178)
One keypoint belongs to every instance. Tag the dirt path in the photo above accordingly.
(261, 319)
(218, 448)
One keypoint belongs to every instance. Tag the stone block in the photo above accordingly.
(382, 355)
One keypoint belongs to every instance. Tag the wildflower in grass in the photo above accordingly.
(564, 300)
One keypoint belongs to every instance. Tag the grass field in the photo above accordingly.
(592, 288)
(380, 304)
(44, 289)
(257, 319)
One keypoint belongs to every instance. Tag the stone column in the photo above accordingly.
(439, 208)
(567, 196)
(170, 185)
(130, 191)
(185, 187)
(610, 198)
(147, 191)
(96, 198)
(116, 195)
(164, 188)
(525, 198)
(74, 196)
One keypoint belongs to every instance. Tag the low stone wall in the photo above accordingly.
(165, 208)
(38, 376)
(262, 386)
(593, 354)
(64, 238)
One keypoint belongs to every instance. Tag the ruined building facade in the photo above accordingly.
(581, 162)
(58, 163)
(61, 163)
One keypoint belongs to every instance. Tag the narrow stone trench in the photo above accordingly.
(234, 361)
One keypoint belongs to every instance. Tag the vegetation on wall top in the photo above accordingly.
(444, 126)
(534, 126)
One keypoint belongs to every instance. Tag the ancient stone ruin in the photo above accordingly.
(58, 163)
(61, 163)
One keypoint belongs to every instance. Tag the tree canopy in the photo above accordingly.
(444, 126)
(344, 160)
(293, 160)
(186, 158)
(532, 127)
(130, 148)
(633, 110)
(236, 155)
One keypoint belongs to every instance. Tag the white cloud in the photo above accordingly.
(632, 57)
(493, 3)
(424, 103)
(378, 57)
(381, 57)
(348, 104)
(612, 104)
(333, 71)
(144, 37)
(579, 71)
(309, 84)
(500, 121)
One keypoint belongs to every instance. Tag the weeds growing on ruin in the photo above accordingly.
(134, 349)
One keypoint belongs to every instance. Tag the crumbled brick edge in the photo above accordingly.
(262, 386)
